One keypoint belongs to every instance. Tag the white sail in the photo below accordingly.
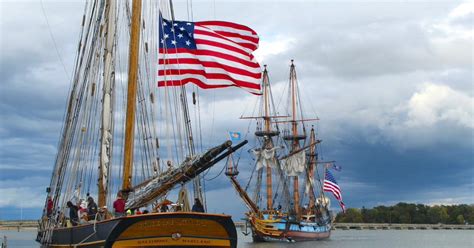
(265, 157)
(294, 164)
(107, 110)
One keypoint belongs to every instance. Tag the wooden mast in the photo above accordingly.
(131, 95)
(268, 142)
(295, 146)
(312, 162)
(107, 112)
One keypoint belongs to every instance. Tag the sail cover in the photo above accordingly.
(265, 157)
(295, 164)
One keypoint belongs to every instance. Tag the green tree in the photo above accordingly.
(438, 214)
(352, 215)
(460, 219)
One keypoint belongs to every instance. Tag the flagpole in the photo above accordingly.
(323, 196)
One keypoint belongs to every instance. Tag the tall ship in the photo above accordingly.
(285, 193)
(127, 146)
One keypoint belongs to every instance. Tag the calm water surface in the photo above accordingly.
(339, 239)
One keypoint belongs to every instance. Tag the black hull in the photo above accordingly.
(151, 230)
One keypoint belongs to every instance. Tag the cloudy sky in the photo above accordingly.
(391, 81)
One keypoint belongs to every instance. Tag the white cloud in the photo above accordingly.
(456, 26)
(26, 197)
(28, 192)
(435, 103)
(462, 10)
(273, 47)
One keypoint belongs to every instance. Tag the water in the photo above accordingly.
(339, 239)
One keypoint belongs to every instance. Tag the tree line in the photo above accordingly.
(410, 213)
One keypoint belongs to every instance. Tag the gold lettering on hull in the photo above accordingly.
(171, 242)
(200, 228)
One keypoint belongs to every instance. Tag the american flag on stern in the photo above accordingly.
(330, 185)
(210, 54)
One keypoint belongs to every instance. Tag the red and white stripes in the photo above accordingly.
(222, 58)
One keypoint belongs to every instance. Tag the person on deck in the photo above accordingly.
(91, 208)
(82, 211)
(119, 205)
(164, 208)
(73, 217)
(198, 207)
(49, 206)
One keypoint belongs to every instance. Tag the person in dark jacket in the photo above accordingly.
(198, 207)
(91, 208)
(73, 217)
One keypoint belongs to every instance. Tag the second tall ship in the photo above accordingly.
(288, 201)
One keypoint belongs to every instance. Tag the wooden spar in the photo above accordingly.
(296, 194)
(312, 162)
(263, 117)
(269, 141)
(131, 95)
(250, 204)
(107, 113)
(301, 149)
(300, 120)
(146, 193)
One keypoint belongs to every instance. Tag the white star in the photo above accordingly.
(188, 42)
(188, 23)
(166, 36)
(165, 24)
(190, 34)
(172, 30)
(173, 42)
(180, 35)
(162, 41)
(181, 28)
(176, 24)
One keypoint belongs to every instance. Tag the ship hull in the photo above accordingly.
(180, 229)
(264, 230)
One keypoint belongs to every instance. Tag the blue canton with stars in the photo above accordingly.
(177, 34)
(330, 177)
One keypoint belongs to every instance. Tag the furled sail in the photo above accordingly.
(148, 191)
(295, 164)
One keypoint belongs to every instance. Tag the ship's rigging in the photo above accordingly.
(284, 194)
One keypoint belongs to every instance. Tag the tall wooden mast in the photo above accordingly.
(268, 142)
(312, 162)
(294, 127)
(131, 94)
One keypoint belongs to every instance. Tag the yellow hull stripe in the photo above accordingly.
(167, 241)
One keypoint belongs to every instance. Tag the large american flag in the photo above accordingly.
(330, 185)
(210, 54)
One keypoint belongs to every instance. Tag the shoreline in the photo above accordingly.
(33, 225)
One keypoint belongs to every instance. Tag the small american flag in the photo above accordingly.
(330, 185)
(210, 54)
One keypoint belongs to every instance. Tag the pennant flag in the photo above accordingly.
(330, 185)
(235, 136)
(210, 54)
(336, 167)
